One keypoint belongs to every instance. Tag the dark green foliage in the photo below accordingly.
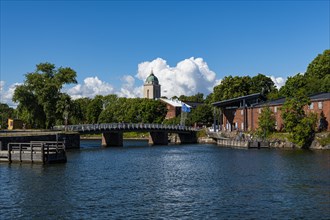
(292, 111)
(266, 122)
(303, 132)
(78, 113)
(323, 123)
(5, 113)
(38, 97)
(233, 87)
(315, 80)
(135, 110)
(201, 115)
(94, 109)
(173, 121)
(300, 125)
(293, 85)
(199, 97)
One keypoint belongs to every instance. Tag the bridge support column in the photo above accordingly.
(158, 138)
(112, 139)
(188, 138)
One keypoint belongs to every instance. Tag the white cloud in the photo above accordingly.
(188, 77)
(278, 81)
(128, 88)
(91, 87)
(6, 93)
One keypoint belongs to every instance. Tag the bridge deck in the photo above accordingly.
(125, 127)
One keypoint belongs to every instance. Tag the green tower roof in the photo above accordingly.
(152, 79)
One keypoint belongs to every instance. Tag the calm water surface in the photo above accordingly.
(170, 182)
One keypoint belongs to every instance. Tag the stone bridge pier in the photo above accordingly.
(158, 138)
(112, 139)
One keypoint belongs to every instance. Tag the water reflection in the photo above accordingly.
(172, 182)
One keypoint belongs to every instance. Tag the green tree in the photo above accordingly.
(199, 97)
(233, 87)
(135, 110)
(293, 85)
(300, 126)
(266, 122)
(320, 66)
(5, 113)
(303, 132)
(315, 80)
(78, 113)
(201, 115)
(263, 84)
(94, 109)
(38, 96)
(292, 111)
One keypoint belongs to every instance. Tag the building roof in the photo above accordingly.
(174, 102)
(252, 98)
(315, 97)
(152, 79)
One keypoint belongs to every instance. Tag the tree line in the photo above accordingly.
(42, 104)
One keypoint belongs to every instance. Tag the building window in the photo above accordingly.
(311, 106)
(275, 109)
(276, 125)
(242, 112)
(320, 104)
(242, 126)
(148, 93)
(259, 110)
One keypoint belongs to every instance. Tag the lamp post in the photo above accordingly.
(66, 116)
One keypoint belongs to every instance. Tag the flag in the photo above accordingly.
(185, 108)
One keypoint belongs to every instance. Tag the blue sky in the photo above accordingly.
(114, 44)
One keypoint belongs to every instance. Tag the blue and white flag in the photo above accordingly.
(185, 108)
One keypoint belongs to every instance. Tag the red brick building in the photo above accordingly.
(173, 107)
(242, 113)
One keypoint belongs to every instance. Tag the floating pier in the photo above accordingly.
(242, 143)
(34, 152)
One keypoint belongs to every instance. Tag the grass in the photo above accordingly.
(280, 136)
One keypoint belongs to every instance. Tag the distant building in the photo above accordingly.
(242, 113)
(173, 106)
(15, 124)
(151, 88)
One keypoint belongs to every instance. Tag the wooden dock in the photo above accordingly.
(34, 152)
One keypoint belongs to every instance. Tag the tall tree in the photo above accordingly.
(5, 113)
(233, 87)
(301, 126)
(202, 114)
(39, 95)
(94, 109)
(266, 122)
(199, 97)
(263, 84)
(315, 80)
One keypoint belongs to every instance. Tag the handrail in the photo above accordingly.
(123, 126)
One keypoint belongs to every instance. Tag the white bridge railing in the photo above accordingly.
(123, 127)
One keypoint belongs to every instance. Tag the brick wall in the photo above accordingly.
(235, 117)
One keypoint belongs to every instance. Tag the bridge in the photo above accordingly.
(112, 133)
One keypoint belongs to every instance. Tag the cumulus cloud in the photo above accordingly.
(6, 93)
(91, 87)
(128, 88)
(188, 77)
(278, 81)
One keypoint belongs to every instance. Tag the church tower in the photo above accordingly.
(151, 88)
